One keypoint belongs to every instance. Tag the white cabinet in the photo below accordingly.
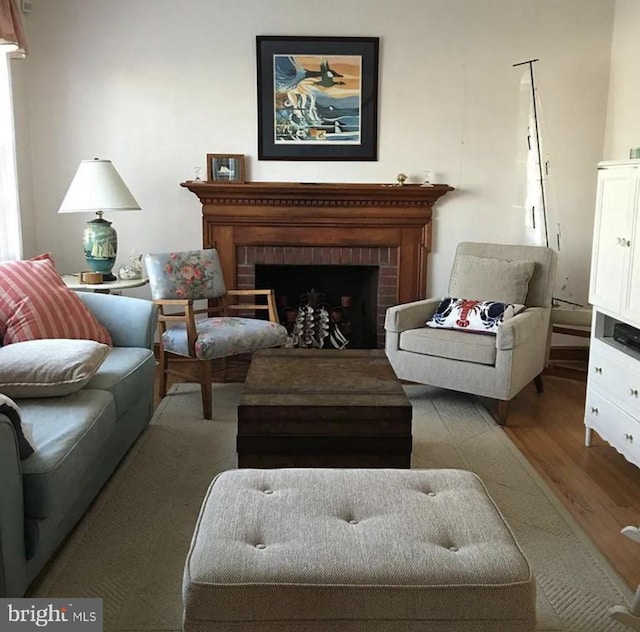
(613, 385)
(615, 263)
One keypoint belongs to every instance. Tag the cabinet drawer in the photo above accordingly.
(616, 374)
(614, 425)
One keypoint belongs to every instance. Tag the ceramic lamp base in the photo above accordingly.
(100, 243)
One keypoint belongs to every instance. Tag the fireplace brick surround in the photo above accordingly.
(381, 225)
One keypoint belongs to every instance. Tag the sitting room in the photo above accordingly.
(365, 353)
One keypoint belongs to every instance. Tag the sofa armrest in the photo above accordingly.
(410, 315)
(13, 565)
(131, 321)
(532, 323)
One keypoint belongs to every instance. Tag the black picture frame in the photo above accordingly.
(317, 98)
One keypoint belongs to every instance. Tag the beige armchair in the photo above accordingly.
(496, 365)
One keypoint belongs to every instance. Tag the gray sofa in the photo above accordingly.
(82, 437)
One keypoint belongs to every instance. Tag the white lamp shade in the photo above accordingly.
(97, 186)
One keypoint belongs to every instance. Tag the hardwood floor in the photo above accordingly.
(596, 484)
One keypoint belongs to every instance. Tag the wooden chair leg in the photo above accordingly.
(537, 380)
(163, 360)
(205, 389)
(503, 407)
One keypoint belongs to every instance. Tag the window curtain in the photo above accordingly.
(10, 233)
(12, 44)
(11, 29)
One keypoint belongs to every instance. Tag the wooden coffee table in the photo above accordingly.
(323, 408)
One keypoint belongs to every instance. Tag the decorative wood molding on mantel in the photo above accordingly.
(326, 215)
(316, 194)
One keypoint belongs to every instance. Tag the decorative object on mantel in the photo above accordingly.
(428, 176)
(225, 168)
(97, 186)
(317, 98)
(401, 178)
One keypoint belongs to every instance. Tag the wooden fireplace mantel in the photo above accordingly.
(319, 214)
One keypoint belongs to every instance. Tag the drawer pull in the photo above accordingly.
(628, 437)
(598, 369)
(594, 410)
(633, 392)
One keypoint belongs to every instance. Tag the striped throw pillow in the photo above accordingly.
(35, 304)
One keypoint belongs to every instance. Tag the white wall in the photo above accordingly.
(623, 120)
(155, 85)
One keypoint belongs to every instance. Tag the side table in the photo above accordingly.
(72, 281)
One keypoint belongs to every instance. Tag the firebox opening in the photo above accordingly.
(348, 293)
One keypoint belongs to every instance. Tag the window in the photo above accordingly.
(10, 236)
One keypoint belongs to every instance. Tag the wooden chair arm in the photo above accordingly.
(269, 306)
(249, 292)
(187, 316)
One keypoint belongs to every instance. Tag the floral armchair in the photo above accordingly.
(179, 279)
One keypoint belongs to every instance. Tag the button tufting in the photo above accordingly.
(353, 522)
(261, 546)
(453, 548)
(268, 491)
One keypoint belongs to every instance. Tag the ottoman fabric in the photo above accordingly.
(328, 549)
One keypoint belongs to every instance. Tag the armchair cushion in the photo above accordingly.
(193, 274)
(448, 343)
(488, 279)
(225, 336)
(470, 315)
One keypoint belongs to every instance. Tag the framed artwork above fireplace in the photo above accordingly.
(317, 98)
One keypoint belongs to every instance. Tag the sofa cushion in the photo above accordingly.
(35, 303)
(451, 344)
(488, 279)
(125, 373)
(49, 368)
(69, 435)
(470, 315)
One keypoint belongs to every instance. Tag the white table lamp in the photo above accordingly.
(97, 187)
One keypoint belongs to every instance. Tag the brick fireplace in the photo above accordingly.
(296, 224)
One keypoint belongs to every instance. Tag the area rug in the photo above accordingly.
(131, 545)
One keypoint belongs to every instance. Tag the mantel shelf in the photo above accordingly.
(316, 194)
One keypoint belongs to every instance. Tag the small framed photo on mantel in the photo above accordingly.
(225, 168)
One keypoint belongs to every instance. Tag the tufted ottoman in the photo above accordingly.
(305, 550)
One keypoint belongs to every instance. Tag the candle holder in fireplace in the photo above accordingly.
(313, 324)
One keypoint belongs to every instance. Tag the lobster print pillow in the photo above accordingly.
(469, 315)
